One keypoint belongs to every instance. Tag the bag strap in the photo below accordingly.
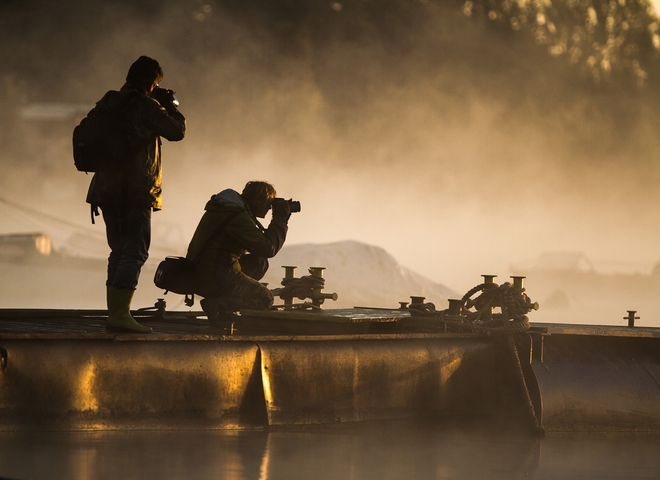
(94, 212)
(220, 228)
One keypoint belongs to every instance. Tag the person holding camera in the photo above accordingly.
(230, 248)
(128, 191)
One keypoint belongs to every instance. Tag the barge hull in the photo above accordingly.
(595, 379)
(62, 370)
(229, 382)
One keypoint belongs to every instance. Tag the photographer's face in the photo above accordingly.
(153, 87)
(260, 207)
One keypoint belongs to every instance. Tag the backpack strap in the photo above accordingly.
(94, 212)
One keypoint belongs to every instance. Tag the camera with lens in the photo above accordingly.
(165, 96)
(294, 205)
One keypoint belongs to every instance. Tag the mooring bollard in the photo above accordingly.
(416, 300)
(455, 306)
(518, 281)
(631, 318)
(289, 273)
(488, 313)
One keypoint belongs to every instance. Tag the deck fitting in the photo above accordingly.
(631, 318)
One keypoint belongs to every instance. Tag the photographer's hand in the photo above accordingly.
(165, 97)
(281, 208)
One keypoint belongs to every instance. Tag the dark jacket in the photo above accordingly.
(225, 248)
(137, 179)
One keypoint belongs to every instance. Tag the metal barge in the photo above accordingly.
(60, 369)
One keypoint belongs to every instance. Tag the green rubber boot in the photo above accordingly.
(119, 312)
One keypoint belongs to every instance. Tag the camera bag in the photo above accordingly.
(177, 274)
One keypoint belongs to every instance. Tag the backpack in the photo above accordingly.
(99, 140)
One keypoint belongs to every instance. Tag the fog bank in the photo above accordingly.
(457, 143)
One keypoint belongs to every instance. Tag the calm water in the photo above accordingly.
(355, 453)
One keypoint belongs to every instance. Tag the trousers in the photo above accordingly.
(128, 231)
(242, 289)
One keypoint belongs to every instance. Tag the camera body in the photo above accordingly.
(165, 96)
(294, 205)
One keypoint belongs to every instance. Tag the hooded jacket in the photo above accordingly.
(137, 180)
(211, 249)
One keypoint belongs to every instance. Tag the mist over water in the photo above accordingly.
(459, 144)
(337, 452)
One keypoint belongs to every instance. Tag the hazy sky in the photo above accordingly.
(458, 154)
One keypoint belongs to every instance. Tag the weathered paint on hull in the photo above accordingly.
(92, 384)
(343, 381)
(219, 383)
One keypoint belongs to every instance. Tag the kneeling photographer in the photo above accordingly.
(230, 248)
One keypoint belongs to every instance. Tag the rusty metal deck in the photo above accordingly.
(40, 322)
(92, 322)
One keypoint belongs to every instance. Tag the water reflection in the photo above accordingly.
(353, 452)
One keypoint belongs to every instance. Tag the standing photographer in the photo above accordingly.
(129, 190)
(226, 275)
